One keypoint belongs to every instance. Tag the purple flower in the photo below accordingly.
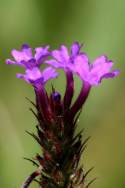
(78, 63)
(34, 75)
(93, 73)
(25, 58)
(62, 59)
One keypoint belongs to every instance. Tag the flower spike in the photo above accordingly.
(58, 165)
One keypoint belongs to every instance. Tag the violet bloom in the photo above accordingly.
(25, 58)
(62, 58)
(93, 73)
(34, 75)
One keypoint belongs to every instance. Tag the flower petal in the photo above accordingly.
(111, 74)
(22, 76)
(31, 75)
(57, 55)
(27, 51)
(81, 66)
(75, 49)
(40, 53)
(10, 62)
(100, 67)
(96, 80)
(64, 53)
(61, 55)
(49, 73)
(24, 55)
(55, 64)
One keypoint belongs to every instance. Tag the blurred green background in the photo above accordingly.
(100, 25)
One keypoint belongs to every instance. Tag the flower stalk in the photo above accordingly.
(69, 89)
(81, 99)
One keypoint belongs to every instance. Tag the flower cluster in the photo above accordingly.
(32, 64)
(57, 116)
(77, 62)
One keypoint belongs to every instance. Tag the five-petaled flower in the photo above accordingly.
(25, 58)
(93, 73)
(35, 75)
(62, 59)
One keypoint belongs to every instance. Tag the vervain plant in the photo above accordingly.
(58, 164)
